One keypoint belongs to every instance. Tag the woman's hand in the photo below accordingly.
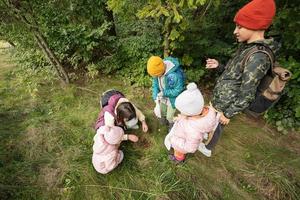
(224, 120)
(211, 63)
(144, 126)
(133, 138)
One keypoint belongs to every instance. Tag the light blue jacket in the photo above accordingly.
(173, 80)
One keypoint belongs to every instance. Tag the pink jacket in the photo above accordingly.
(188, 132)
(106, 155)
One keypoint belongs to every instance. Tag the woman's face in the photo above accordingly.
(242, 34)
(130, 123)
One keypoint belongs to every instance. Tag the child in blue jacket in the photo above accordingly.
(167, 84)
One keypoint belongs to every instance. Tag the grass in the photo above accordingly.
(46, 148)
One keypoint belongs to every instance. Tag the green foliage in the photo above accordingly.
(286, 113)
(137, 40)
(193, 75)
(30, 77)
(79, 32)
(117, 37)
(92, 71)
(173, 15)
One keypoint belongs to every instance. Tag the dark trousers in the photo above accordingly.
(216, 136)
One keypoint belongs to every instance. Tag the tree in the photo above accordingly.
(72, 35)
(173, 14)
(23, 13)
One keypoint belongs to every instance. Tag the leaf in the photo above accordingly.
(181, 38)
(191, 4)
(280, 128)
(145, 12)
(297, 114)
(200, 2)
(278, 123)
(181, 3)
(174, 34)
(177, 16)
(164, 11)
(184, 24)
(187, 60)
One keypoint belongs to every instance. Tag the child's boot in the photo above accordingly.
(178, 157)
(175, 160)
(170, 125)
(163, 121)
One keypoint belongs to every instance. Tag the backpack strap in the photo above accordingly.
(260, 48)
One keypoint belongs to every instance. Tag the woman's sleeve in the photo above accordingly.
(139, 114)
(109, 120)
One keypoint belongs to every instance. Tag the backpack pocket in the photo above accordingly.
(270, 90)
(276, 83)
(261, 104)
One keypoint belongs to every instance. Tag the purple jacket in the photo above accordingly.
(110, 107)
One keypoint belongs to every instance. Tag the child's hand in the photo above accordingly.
(144, 126)
(211, 63)
(224, 120)
(160, 94)
(133, 138)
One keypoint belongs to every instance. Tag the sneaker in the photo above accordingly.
(202, 148)
(173, 158)
(163, 121)
(170, 126)
(121, 156)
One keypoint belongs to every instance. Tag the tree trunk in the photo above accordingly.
(110, 17)
(167, 41)
(49, 58)
(42, 43)
(11, 43)
(52, 57)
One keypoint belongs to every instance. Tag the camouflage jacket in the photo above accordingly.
(236, 87)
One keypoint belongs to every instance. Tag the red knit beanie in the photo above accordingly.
(256, 15)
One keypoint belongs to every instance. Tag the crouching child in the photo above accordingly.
(106, 153)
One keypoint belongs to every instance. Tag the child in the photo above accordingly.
(236, 87)
(167, 84)
(106, 155)
(117, 110)
(194, 121)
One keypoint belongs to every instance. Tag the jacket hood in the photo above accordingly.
(171, 68)
(271, 43)
(113, 100)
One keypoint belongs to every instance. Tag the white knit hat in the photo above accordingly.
(190, 102)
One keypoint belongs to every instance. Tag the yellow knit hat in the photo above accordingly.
(155, 66)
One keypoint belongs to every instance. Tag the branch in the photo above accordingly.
(89, 90)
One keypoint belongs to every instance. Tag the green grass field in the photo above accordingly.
(46, 148)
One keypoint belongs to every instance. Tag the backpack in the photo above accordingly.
(271, 85)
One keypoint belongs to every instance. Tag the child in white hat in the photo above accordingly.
(194, 121)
